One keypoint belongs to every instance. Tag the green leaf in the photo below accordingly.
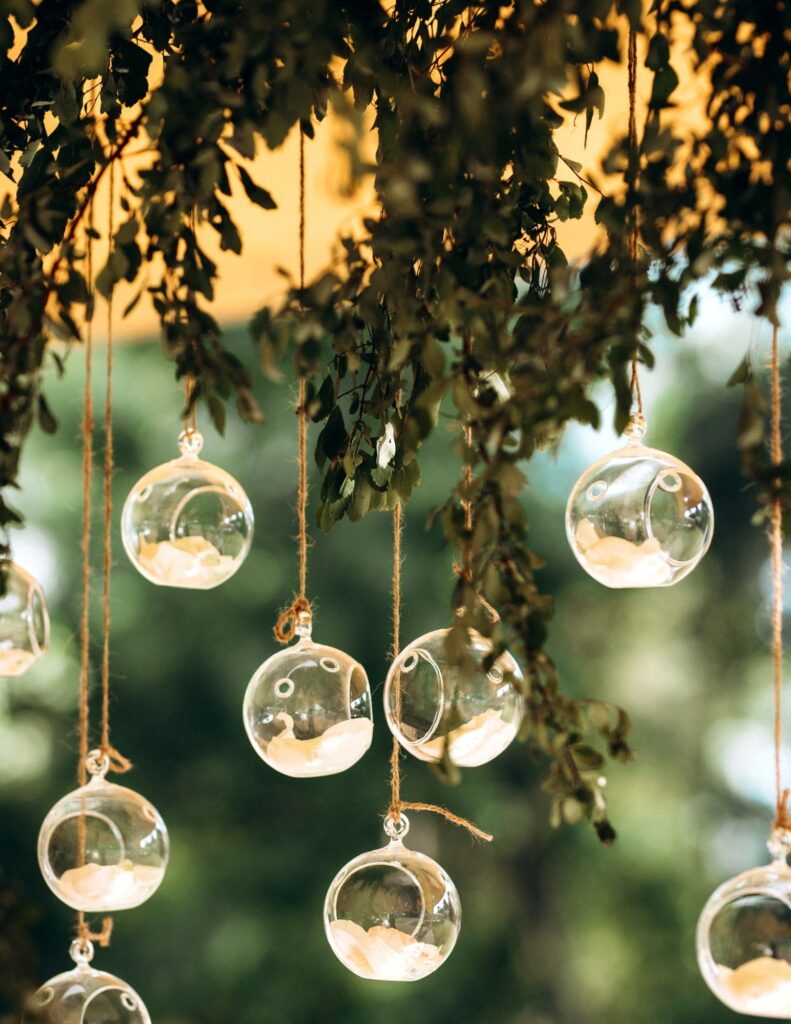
(46, 420)
(216, 412)
(334, 435)
(258, 195)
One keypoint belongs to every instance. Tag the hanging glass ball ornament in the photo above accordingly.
(85, 996)
(103, 847)
(24, 620)
(392, 914)
(187, 523)
(744, 937)
(307, 709)
(639, 517)
(440, 698)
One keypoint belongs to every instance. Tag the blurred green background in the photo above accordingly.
(557, 929)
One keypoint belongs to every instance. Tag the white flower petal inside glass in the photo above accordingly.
(744, 938)
(443, 695)
(85, 996)
(24, 620)
(639, 517)
(392, 914)
(307, 709)
(187, 523)
(103, 847)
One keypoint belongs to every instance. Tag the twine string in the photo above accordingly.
(454, 819)
(87, 481)
(301, 219)
(83, 930)
(782, 818)
(634, 168)
(286, 626)
(397, 805)
(117, 762)
(190, 413)
(190, 384)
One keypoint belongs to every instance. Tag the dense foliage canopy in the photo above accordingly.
(457, 296)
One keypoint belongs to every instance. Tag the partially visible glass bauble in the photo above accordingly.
(307, 709)
(24, 620)
(392, 914)
(187, 523)
(744, 937)
(639, 517)
(440, 695)
(103, 847)
(85, 996)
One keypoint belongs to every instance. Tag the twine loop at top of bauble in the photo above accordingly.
(86, 936)
(285, 629)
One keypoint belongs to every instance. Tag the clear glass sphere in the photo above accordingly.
(392, 914)
(307, 709)
(103, 847)
(439, 697)
(639, 517)
(85, 996)
(744, 938)
(187, 523)
(24, 620)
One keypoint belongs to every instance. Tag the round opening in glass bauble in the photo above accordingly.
(446, 694)
(187, 523)
(392, 914)
(24, 620)
(85, 996)
(639, 517)
(103, 847)
(744, 938)
(307, 709)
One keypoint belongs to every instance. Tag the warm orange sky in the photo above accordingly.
(270, 237)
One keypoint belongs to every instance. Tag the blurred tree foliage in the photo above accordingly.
(458, 283)
(555, 931)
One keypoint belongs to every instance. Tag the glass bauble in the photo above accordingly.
(85, 996)
(187, 523)
(392, 914)
(103, 847)
(307, 709)
(442, 695)
(744, 938)
(24, 621)
(639, 517)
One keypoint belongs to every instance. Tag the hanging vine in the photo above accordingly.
(471, 183)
